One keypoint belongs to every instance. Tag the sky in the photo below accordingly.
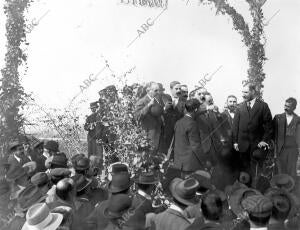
(74, 40)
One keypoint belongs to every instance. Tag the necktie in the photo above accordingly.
(249, 105)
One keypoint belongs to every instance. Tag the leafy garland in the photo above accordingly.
(12, 95)
(254, 39)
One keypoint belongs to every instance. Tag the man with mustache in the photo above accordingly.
(252, 127)
(287, 138)
(184, 91)
(231, 105)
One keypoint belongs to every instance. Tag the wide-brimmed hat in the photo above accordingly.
(81, 182)
(39, 179)
(281, 199)
(29, 196)
(146, 178)
(116, 206)
(39, 217)
(184, 191)
(203, 179)
(16, 172)
(236, 198)
(283, 181)
(51, 146)
(83, 163)
(119, 182)
(14, 144)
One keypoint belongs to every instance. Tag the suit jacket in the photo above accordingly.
(251, 127)
(145, 117)
(230, 119)
(279, 125)
(13, 162)
(188, 154)
(170, 220)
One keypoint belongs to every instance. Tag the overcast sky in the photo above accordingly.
(74, 38)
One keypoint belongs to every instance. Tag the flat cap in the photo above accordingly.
(258, 206)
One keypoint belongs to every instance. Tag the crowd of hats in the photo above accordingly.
(29, 192)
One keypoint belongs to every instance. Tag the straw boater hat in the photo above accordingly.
(39, 217)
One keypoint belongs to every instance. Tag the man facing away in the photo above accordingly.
(187, 149)
(287, 138)
(252, 126)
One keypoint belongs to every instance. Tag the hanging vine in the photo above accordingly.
(12, 95)
(253, 39)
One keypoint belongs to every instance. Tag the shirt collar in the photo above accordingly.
(252, 102)
(142, 193)
(17, 158)
(176, 208)
(188, 115)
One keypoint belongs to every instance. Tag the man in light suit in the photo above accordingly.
(188, 154)
(287, 138)
(148, 111)
(252, 126)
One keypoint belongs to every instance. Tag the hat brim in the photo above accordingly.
(42, 198)
(291, 183)
(137, 181)
(188, 202)
(114, 189)
(57, 218)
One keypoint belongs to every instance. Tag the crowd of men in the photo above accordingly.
(216, 179)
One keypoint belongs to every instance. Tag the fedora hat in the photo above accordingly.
(146, 178)
(184, 191)
(81, 182)
(236, 198)
(118, 167)
(119, 182)
(39, 217)
(39, 179)
(52, 146)
(82, 163)
(29, 196)
(284, 181)
(116, 206)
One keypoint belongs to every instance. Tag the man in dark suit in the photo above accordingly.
(188, 155)
(17, 157)
(94, 128)
(252, 126)
(287, 138)
(148, 111)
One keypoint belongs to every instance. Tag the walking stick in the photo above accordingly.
(170, 149)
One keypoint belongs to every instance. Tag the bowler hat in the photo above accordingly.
(236, 198)
(59, 160)
(60, 173)
(39, 217)
(119, 182)
(51, 146)
(29, 196)
(82, 163)
(146, 178)
(81, 182)
(94, 104)
(184, 191)
(258, 206)
(284, 181)
(260, 153)
(116, 206)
